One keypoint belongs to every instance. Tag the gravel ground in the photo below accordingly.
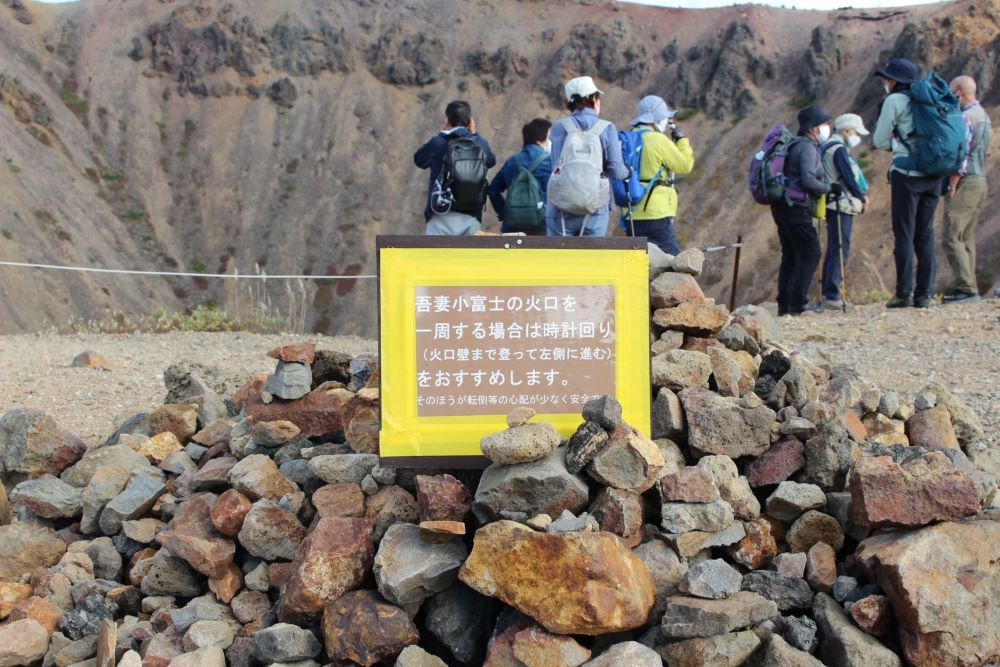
(903, 350)
(907, 348)
(35, 371)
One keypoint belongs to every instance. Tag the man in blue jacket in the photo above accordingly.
(443, 218)
(535, 135)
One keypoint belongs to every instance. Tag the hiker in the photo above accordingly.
(840, 167)
(586, 152)
(914, 194)
(966, 197)
(524, 177)
(458, 159)
(653, 162)
(804, 174)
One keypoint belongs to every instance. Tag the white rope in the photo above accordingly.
(720, 248)
(181, 274)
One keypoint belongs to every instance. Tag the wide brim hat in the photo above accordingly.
(851, 121)
(901, 70)
(652, 109)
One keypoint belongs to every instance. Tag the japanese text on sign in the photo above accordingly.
(485, 350)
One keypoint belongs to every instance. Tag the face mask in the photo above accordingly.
(662, 125)
(853, 140)
(547, 145)
(824, 132)
(887, 87)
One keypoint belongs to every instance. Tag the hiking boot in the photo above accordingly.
(962, 297)
(923, 302)
(833, 304)
(900, 302)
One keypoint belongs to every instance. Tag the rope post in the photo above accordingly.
(736, 273)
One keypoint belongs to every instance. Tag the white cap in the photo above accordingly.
(581, 86)
(851, 121)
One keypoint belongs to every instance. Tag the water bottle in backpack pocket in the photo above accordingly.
(578, 185)
(462, 183)
(766, 175)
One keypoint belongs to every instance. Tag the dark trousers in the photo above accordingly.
(800, 255)
(832, 277)
(914, 201)
(660, 233)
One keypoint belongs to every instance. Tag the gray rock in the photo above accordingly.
(539, 487)
(137, 424)
(714, 579)
(461, 619)
(271, 532)
(666, 569)
(800, 427)
(384, 476)
(32, 444)
(166, 575)
(792, 499)
(870, 399)
(257, 579)
(689, 261)
(780, 654)
(789, 593)
(736, 338)
(290, 380)
(694, 617)
(721, 468)
(570, 523)
(284, 642)
(829, 456)
(74, 652)
(187, 384)
(667, 415)
(137, 499)
(85, 619)
(729, 426)
(203, 634)
(204, 608)
(925, 400)
(671, 289)
(968, 428)
(605, 410)
(705, 517)
(48, 497)
(888, 404)
(343, 468)
(369, 486)
(121, 457)
(798, 631)
(681, 369)
(106, 559)
(844, 644)
(584, 444)
(414, 656)
(659, 261)
(521, 444)
(790, 564)
(630, 462)
(177, 463)
(770, 330)
(632, 654)
(843, 586)
(408, 570)
(195, 451)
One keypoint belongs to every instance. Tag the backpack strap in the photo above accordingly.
(599, 127)
(534, 165)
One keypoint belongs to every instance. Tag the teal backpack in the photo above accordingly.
(524, 209)
(939, 143)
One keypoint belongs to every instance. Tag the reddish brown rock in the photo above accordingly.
(250, 392)
(393, 504)
(442, 498)
(757, 548)
(107, 642)
(571, 583)
(699, 344)
(278, 573)
(303, 353)
(25, 546)
(274, 434)
(360, 627)
(229, 511)
(38, 609)
(855, 428)
(181, 419)
(332, 560)
(813, 527)
(873, 614)
(441, 531)
(228, 585)
(257, 476)
(192, 537)
(343, 500)
(215, 434)
(362, 422)
(922, 491)
(943, 585)
(10, 595)
(271, 532)
(671, 289)
(132, 573)
(777, 464)
(35, 445)
(536, 648)
(689, 485)
(821, 567)
(932, 429)
(618, 512)
(693, 318)
(318, 413)
(23, 643)
(90, 360)
(213, 474)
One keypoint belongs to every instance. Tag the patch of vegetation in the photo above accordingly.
(686, 114)
(198, 266)
(112, 176)
(6, 234)
(40, 136)
(135, 214)
(44, 216)
(69, 95)
(801, 101)
(867, 296)
(14, 169)
(190, 127)
(204, 318)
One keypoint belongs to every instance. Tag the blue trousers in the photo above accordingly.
(569, 225)
(832, 277)
(660, 233)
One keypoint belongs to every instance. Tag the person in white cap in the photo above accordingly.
(841, 168)
(662, 158)
(573, 176)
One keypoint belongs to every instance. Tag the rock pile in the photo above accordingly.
(782, 513)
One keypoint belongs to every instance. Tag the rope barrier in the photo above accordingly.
(180, 274)
(720, 248)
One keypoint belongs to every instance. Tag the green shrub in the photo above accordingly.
(75, 103)
(201, 319)
(135, 214)
(801, 101)
(685, 114)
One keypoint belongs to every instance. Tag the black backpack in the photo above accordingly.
(462, 184)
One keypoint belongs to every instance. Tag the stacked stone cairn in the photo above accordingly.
(782, 513)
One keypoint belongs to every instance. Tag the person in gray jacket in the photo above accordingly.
(966, 197)
(915, 195)
(800, 252)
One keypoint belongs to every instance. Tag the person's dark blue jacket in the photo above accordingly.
(431, 156)
(509, 172)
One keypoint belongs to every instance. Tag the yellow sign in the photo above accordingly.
(473, 327)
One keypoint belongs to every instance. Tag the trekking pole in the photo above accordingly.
(736, 273)
(840, 246)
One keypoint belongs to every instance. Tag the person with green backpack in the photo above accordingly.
(524, 177)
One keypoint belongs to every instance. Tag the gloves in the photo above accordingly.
(836, 189)
(675, 132)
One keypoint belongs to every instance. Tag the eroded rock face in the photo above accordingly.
(930, 573)
(571, 583)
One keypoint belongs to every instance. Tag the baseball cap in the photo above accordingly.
(581, 86)
(851, 121)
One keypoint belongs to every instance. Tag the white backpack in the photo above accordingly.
(577, 185)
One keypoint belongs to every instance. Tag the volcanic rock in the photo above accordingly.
(728, 426)
(539, 487)
(630, 461)
(843, 643)
(359, 626)
(694, 617)
(725, 650)
(521, 444)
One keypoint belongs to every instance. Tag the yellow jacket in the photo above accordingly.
(658, 150)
